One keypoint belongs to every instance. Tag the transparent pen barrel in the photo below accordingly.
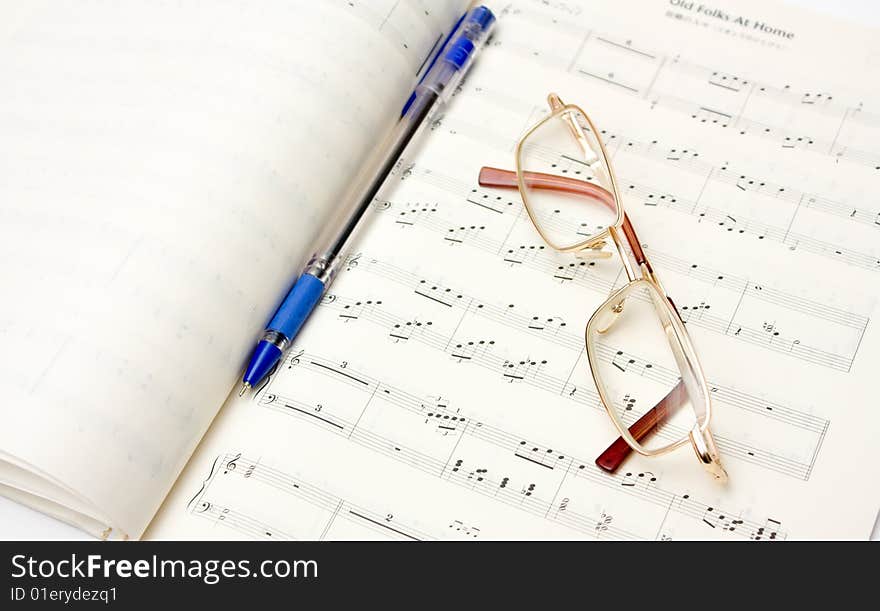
(342, 229)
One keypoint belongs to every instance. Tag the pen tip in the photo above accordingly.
(244, 388)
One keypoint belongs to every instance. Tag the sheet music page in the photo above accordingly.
(163, 170)
(442, 391)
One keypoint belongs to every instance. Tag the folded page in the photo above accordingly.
(163, 169)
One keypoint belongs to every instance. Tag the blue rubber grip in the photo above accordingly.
(288, 320)
(297, 306)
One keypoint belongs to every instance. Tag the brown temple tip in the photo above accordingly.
(496, 177)
(483, 174)
(611, 459)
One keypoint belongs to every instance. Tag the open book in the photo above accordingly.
(164, 169)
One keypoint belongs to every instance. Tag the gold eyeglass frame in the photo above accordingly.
(700, 435)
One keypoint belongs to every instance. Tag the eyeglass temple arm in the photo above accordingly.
(617, 452)
(496, 177)
(611, 459)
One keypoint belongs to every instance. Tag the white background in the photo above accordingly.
(18, 522)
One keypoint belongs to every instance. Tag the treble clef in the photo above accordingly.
(232, 463)
(294, 358)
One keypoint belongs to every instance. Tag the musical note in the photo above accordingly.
(471, 532)
(537, 459)
(354, 311)
(708, 115)
(404, 331)
(507, 314)
(690, 160)
(515, 371)
(544, 457)
(604, 523)
(531, 372)
(727, 81)
(689, 313)
(458, 235)
(769, 531)
(638, 479)
(647, 84)
(327, 508)
(468, 350)
(446, 423)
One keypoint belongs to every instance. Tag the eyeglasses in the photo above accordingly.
(569, 191)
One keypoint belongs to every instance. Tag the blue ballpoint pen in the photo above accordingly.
(436, 88)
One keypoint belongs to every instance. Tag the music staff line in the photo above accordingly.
(723, 174)
(735, 119)
(679, 157)
(474, 479)
(480, 352)
(579, 272)
(818, 100)
(708, 173)
(538, 258)
(651, 197)
(688, 159)
(477, 478)
(226, 516)
(336, 507)
(743, 225)
(555, 331)
(782, 234)
(715, 278)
